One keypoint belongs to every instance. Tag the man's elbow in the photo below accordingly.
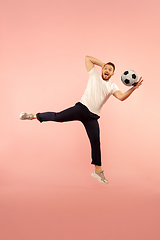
(122, 99)
(119, 96)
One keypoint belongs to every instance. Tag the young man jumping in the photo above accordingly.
(87, 110)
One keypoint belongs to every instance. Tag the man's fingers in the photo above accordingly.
(139, 83)
(140, 80)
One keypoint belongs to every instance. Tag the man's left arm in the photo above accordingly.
(122, 96)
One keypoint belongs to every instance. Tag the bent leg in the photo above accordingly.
(93, 132)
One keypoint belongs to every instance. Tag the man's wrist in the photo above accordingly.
(133, 88)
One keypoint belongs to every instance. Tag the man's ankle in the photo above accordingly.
(98, 169)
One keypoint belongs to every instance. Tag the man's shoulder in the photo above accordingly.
(114, 87)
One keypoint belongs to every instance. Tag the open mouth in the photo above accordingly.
(106, 74)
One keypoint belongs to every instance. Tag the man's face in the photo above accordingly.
(107, 72)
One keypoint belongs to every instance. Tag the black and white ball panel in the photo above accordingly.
(129, 78)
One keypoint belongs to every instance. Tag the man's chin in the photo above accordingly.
(106, 78)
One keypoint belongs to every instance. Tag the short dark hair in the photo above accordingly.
(110, 63)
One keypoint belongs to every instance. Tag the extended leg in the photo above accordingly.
(66, 115)
(70, 114)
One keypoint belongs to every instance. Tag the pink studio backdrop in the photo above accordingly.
(43, 45)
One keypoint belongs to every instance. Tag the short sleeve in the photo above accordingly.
(92, 71)
(114, 88)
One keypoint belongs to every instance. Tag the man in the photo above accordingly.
(98, 90)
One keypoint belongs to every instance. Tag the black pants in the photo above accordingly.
(81, 113)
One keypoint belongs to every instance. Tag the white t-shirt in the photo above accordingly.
(97, 92)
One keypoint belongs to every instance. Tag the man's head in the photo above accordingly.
(108, 71)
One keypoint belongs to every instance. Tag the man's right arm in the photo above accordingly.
(91, 61)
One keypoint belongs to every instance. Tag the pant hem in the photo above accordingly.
(38, 118)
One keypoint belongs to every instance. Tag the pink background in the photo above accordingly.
(46, 191)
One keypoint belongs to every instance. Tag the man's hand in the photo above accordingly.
(138, 84)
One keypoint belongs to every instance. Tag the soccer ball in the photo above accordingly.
(129, 78)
